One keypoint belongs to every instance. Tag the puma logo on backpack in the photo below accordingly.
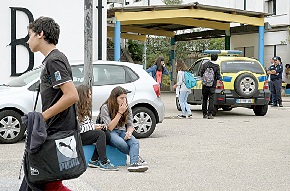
(208, 77)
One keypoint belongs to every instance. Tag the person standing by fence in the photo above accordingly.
(157, 70)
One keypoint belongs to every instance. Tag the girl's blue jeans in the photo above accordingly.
(183, 95)
(129, 147)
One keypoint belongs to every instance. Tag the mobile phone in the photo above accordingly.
(104, 127)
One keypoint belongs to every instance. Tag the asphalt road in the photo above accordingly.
(234, 151)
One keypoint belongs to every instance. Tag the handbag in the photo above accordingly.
(60, 157)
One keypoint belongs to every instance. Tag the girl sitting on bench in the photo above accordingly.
(118, 117)
(92, 133)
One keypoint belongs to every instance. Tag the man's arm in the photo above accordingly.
(279, 70)
(69, 97)
(201, 70)
(218, 73)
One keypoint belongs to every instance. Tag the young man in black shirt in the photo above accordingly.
(57, 90)
(208, 91)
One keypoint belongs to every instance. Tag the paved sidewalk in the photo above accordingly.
(234, 151)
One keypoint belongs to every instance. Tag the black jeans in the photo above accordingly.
(276, 86)
(101, 138)
(207, 94)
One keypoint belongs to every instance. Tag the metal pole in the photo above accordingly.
(100, 28)
(228, 40)
(172, 51)
(88, 43)
(117, 41)
(144, 56)
(261, 45)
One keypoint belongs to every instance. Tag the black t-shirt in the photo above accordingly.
(56, 71)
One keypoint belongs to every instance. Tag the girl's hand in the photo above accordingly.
(128, 135)
(98, 126)
(101, 127)
(123, 107)
(174, 86)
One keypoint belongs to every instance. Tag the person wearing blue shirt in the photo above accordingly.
(275, 71)
(157, 70)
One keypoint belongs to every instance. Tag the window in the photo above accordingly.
(110, 74)
(131, 76)
(78, 74)
(195, 69)
(270, 6)
(235, 66)
(25, 78)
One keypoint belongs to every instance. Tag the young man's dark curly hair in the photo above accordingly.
(49, 27)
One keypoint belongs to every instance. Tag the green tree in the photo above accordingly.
(160, 46)
(136, 50)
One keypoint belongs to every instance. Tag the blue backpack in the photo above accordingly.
(189, 80)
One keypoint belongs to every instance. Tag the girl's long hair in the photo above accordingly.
(180, 65)
(84, 104)
(158, 63)
(113, 105)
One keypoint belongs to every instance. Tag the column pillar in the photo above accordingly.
(261, 45)
(172, 53)
(144, 55)
(117, 41)
(228, 40)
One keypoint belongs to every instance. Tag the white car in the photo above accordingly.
(18, 96)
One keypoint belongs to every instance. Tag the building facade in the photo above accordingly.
(277, 31)
(16, 58)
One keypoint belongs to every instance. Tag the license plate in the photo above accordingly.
(244, 100)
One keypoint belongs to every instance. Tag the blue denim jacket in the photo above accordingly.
(152, 71)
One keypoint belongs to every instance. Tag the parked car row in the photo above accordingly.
(18, 96)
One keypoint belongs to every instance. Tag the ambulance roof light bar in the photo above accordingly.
(223, 52)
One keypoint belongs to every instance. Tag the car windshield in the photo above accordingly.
(235, 66)
(25, 78)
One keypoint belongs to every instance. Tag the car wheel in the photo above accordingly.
(215, 110)
(260, 110)
(11, 127)
(144, 122)
(246, 85)
(177, 104)
(227, 108)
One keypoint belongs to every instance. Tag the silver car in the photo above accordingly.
(18, 96)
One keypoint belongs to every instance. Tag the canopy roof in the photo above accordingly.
(165, 20)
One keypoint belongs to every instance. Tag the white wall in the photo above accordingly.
(282, 16)
(69, 14)
(247, 40)
(271, 39)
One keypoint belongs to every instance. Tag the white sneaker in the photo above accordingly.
(142, 161)
(135, 167)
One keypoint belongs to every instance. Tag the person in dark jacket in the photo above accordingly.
(275, 71)
(208, 91)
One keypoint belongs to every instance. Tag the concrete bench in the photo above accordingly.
(116, 157)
